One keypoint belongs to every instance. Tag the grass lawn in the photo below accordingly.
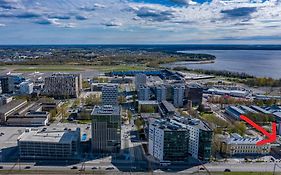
(70, 68)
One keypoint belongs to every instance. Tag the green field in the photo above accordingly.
(69, 68)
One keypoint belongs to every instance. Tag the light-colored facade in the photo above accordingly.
(26, 87)
(236, 145)
(161, 93)
(10, 108)
(144, 93)
(63, 85)
(106, 129)
(140, 79)
(178, 95)
(110, 94)
(51, 145)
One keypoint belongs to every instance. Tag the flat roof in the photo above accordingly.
(9, 106)
(260, 109)
(148, 102)
(65, 137)
(106, 110)
(169, 106)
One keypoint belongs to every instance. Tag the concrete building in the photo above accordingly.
(106, 129)
(161, 93)
(10, 108)
(189, 137)
(144, 93)
(140, 79)
(7, 84)
(63, 85)
(178, 95)
(50, 145)
(31, 119)
(236, 145)
(26, 87)
(168, 141)
(166, 109)
(194, 93)
(4, 99)
(110, 94)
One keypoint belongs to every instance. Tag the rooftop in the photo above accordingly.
(9, 106)
(106, 110)
(237, 139)
(65, 137)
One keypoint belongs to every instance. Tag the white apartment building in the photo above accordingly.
(178, 95)
(161, 93)
(140, 79)
(144, 93)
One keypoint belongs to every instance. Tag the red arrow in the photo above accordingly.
(271, 136)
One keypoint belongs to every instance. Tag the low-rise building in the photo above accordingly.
(234, 112)
(166, 109)
(236, 145)
(26, 87)
(50, 145)
(10, 108)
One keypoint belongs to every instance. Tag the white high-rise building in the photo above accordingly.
(178, 95)
(161, 93)
(144, 93)
(140, 79)
(110, 94)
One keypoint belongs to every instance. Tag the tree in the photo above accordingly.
(76, 103)
(139, 124)
(92, 100)
(122, 99)
(147, 109)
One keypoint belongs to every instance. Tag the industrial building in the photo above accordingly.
(106, 129)
(234, 112)
(50, 145)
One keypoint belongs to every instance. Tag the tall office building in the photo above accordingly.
(200, 139)
(51, 145)
(106, 129)
(175, 138)
(140, 79)
(161, 93)
(194, 93)
(178, 95)
(143, 93)
(168, 141)
(63, 85)
(110, 94)
(8, 83)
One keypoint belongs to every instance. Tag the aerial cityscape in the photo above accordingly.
(140, 87)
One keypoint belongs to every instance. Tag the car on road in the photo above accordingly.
(201, 168)
(27, 167)
(109, 168)
(94, 168)
(227, 170)
(1, 167)
(74, 168)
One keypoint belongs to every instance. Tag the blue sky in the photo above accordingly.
(140, 21)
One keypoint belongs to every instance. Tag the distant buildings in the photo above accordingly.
(110, 94)
(26, 87)
(234, 112)
(143, 93)
(236, 145)
(106, 129)
(140, 79)
(8, 83)
(10, 108)
(178, 95)
(161, 93)
(54, 145)
(176, 138)
(194, 93)
(63, 85)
